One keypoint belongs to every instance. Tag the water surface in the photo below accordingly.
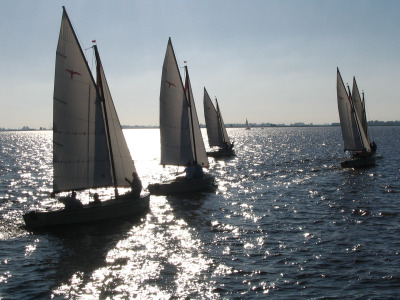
(285, 222)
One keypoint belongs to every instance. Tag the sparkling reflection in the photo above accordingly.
(162, 258)
(285, 222)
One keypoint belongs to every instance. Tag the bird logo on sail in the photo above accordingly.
(72, 72)
(170, 83)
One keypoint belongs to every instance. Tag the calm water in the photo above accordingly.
(286, 222)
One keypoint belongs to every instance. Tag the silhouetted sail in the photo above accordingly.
(353, 134)
(359, 106)
(81, 152)
(176, 120)
(216, 130)
(247, 125)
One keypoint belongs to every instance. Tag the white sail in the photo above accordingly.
(359, 105)
(123, 163)
(176, 146)
(353, 134)
(198, 148)
(247, 125)
(216, 130)
(80, 151)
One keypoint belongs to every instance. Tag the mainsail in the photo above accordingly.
(81, 152)
(353, 134)
(216, 131)
(177, 116)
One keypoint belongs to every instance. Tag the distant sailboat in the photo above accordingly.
(216, 131)
(354, 126)
(181, 140)
(247, 125)
(89, 148)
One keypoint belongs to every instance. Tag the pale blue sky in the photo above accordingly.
(267, 61)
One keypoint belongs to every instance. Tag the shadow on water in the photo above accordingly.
(72, 254)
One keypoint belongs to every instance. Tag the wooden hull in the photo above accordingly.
(117, 208)
(221, 153)
(181, 185)
(361, 162)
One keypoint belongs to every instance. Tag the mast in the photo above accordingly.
(101, 90)
(190, 113)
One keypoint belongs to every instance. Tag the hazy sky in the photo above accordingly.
(267, 61)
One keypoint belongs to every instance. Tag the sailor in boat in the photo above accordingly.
(136, 185)
(194, 172)
(198, 172)
(373, 147)
(96, 199)
(71, 202)
(189, 170)
(227, 147)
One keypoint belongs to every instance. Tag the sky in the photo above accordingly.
(267, 61)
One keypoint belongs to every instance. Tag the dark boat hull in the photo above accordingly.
(359, 162)
(181, 185)
(117, 208)
(221, 153)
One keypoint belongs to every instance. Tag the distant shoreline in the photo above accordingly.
(234, 125)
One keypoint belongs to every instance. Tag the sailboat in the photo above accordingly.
(354, 126)
(181, 140)
(247, 125)
(89, 148)
(216, 131)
